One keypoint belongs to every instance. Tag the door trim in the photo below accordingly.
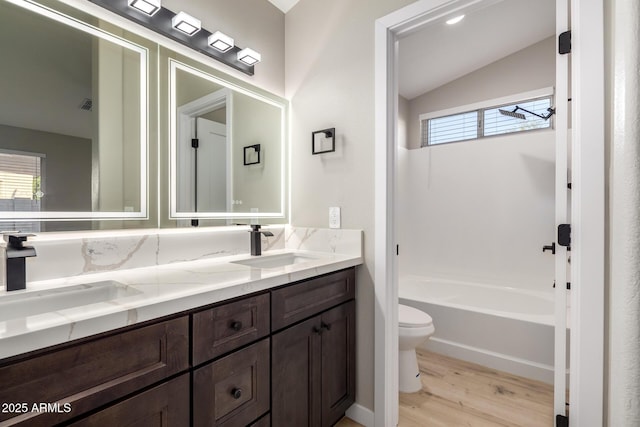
(561, 212)
(588, 182)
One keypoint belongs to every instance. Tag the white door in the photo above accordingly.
(562, 106)
(211, 164)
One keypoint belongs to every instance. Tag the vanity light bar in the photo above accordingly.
(150, 7)
(185, 29)
(220, 41)
(249, 56)
(186, 23)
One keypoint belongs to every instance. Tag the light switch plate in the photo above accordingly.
(334, 217)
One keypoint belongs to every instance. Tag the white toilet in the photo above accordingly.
(415, 328)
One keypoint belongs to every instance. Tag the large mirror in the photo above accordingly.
(91, 116)
(227, 147)
(73, 119)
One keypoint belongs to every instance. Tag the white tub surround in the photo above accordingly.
(509, 329)
(199, 269)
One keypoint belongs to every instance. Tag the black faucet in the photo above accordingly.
(15, 254)
(256, 244)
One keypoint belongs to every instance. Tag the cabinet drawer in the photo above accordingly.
(234, 390)
(164, 405)
(299, 301)
(94, 373)
(224, 328)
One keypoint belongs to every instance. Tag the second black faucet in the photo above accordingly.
(256, 241)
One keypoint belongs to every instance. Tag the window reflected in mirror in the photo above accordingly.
(74, 102)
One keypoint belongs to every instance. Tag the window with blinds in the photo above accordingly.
(457, 127)
(496, 120)
(20, 181)
(497, 123)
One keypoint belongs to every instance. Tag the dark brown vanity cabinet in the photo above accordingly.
(62, 384)
(281, 358)
(232, 390)
(229, 326)
(313, 368)
(163, 405)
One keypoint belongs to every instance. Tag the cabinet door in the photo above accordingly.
(234, 390)
(166, 405)
(338, 362)
(296, 376)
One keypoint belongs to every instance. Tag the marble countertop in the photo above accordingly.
(141, 294)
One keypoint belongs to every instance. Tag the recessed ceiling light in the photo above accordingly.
(455, 20)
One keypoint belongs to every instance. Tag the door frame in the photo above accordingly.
(185, 128)
(587, 206)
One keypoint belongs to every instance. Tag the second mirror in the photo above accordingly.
(227, 148)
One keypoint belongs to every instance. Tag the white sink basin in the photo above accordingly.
(276, 261)
(38, 302)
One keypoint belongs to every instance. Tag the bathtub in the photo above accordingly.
(503, 328)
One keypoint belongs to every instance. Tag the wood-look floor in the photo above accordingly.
(457, 393)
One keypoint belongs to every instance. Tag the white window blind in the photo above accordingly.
(457, 127)
(526, 115)
(20, 182)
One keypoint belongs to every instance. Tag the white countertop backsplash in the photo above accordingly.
(171, 271)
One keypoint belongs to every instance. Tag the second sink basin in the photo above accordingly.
(276, 261)
(39, 302)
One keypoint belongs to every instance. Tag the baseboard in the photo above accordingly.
(503, 362)
(361, 415)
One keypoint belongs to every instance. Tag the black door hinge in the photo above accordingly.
(564, 43)
(195, 143)
(568, 285)
(562, 421)
(564, 235)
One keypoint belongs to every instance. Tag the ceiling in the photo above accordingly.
(441, 53)
(284, 5)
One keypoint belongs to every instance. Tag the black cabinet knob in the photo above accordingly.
(317, 330)
(236, 325)
(326, 326)
(236, 393)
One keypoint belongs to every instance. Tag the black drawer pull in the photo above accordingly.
(236, 393)
(236, 325)
(317, 330)
(326, 326)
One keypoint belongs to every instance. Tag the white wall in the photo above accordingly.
(258, 186)
(481, 210)
(623, 329)
(252, 23)
(43, 84)
(329, 79)
(531, 68)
